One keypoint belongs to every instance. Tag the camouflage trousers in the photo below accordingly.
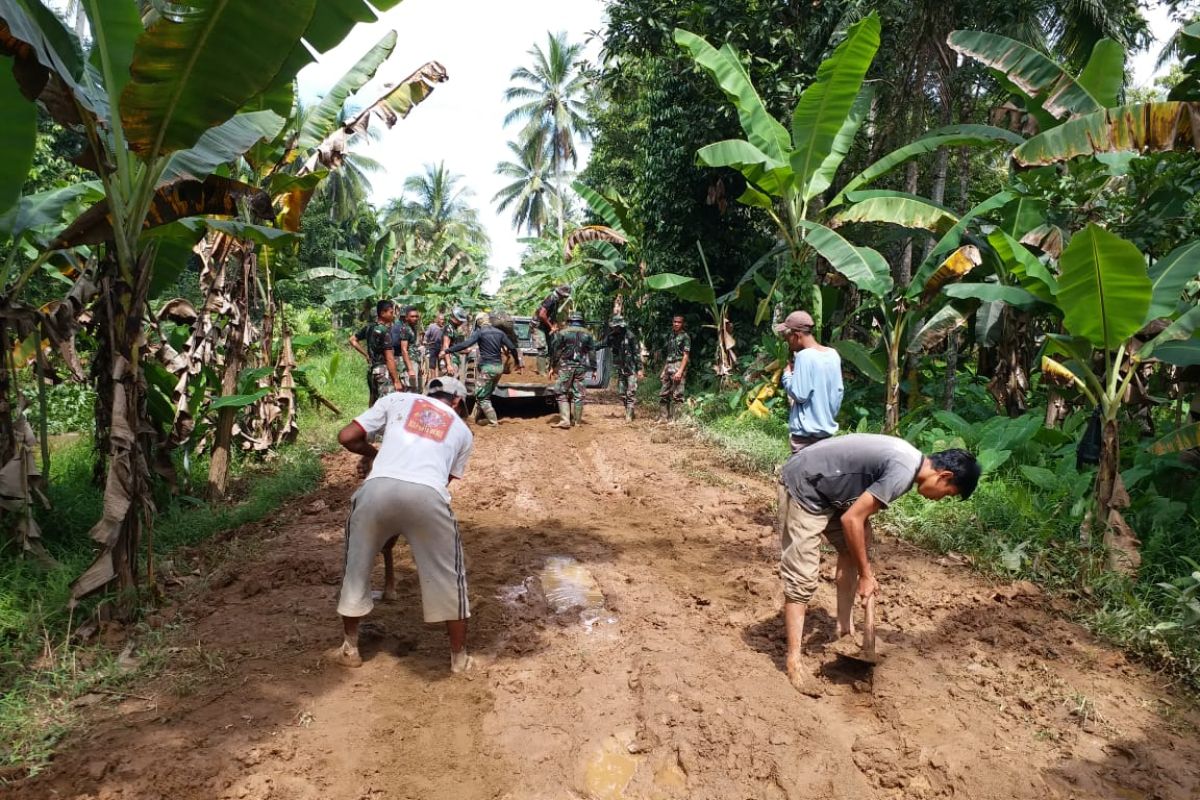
(379, 383)
(569, 385)
(627, 384)
(672, 385)
(485, 383)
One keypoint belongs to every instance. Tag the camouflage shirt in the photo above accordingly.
(626, 352)
(403, 332)
(572, 345)
(376, 338)
(678, 346)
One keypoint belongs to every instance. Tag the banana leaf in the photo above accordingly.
(1169, 275)
(763, 130)
(1103, 289)
(194, 72)
(1046, 83)
(323, 118)
(828, 101)
(18, 136)
(1139, 128)
(862, 266)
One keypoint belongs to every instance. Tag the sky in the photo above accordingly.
(480, 42)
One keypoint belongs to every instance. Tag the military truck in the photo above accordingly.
(534, 381)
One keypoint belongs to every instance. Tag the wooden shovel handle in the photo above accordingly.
(868, 644)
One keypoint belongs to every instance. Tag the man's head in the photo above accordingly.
(483, 319)
(796, 329)
(617, 321)
(563, 291)
(677, 323)
(413, 315)
(440, 318)
(385, 310)
(574, 318)
(457, 316)
(449, 390)
(951, 473)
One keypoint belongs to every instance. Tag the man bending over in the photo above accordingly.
(425, 446)
(833, 488)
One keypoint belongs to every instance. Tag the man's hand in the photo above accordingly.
(641, 374)
(412, 376)
(552, 374)
(364, 465)
(397, 385)
(867, 586)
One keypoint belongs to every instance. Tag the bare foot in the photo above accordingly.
(845, 631)
(800, 680)
(462, 662)
(345, 656)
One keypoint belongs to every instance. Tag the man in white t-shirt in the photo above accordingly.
(425, 446)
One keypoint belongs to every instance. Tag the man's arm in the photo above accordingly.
(854, 527)
(389, 358)
(470, 341)
(687, 355)
(591, 346)
(408, 365)
(793, 381)
(354, 438)
(358, 346)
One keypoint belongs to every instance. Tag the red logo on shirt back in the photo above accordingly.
(428, 421)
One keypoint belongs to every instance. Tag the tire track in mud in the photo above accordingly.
(986, 693)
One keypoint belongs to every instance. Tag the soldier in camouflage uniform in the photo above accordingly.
(627, 360)
(674, 374)
(404, 347)
(381, 364)
(452, 334)
(572, 356)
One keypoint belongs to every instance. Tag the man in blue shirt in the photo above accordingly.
(813, 382)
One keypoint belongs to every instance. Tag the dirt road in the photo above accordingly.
(672, 689)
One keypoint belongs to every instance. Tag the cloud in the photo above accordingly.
(479, 42)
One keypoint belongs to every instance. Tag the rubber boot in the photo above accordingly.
(490, 413)
(577, 414)
(564, 414)
(629, 413)
(665, 412)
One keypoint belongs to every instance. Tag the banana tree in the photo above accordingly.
(789, 173)
(162, 100)
(1107, 296)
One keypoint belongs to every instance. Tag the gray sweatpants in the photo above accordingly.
(387, 507)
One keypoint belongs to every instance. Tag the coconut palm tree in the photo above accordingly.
(551, 98)
(436, 211)
(531, 183)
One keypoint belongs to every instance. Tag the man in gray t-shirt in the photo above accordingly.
(833, 487)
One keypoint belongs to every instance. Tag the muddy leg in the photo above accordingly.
(389, 569)
(456, 629)
(847, 584)
(793, 618)
(347, 655)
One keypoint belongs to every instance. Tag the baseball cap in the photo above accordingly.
(564, 290)
(796, 321)
(448, 385)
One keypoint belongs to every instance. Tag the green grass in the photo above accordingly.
(41, 670)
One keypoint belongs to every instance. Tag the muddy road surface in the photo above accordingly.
(626, 606)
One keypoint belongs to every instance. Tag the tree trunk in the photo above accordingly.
(128, 509)
(218, 466)
(891, 417)
(1056, 409)
(1120, 542)
(951, 370)
(903, 276)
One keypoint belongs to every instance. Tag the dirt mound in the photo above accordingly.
(667, 685)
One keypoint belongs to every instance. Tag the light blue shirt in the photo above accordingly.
(815, 387)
